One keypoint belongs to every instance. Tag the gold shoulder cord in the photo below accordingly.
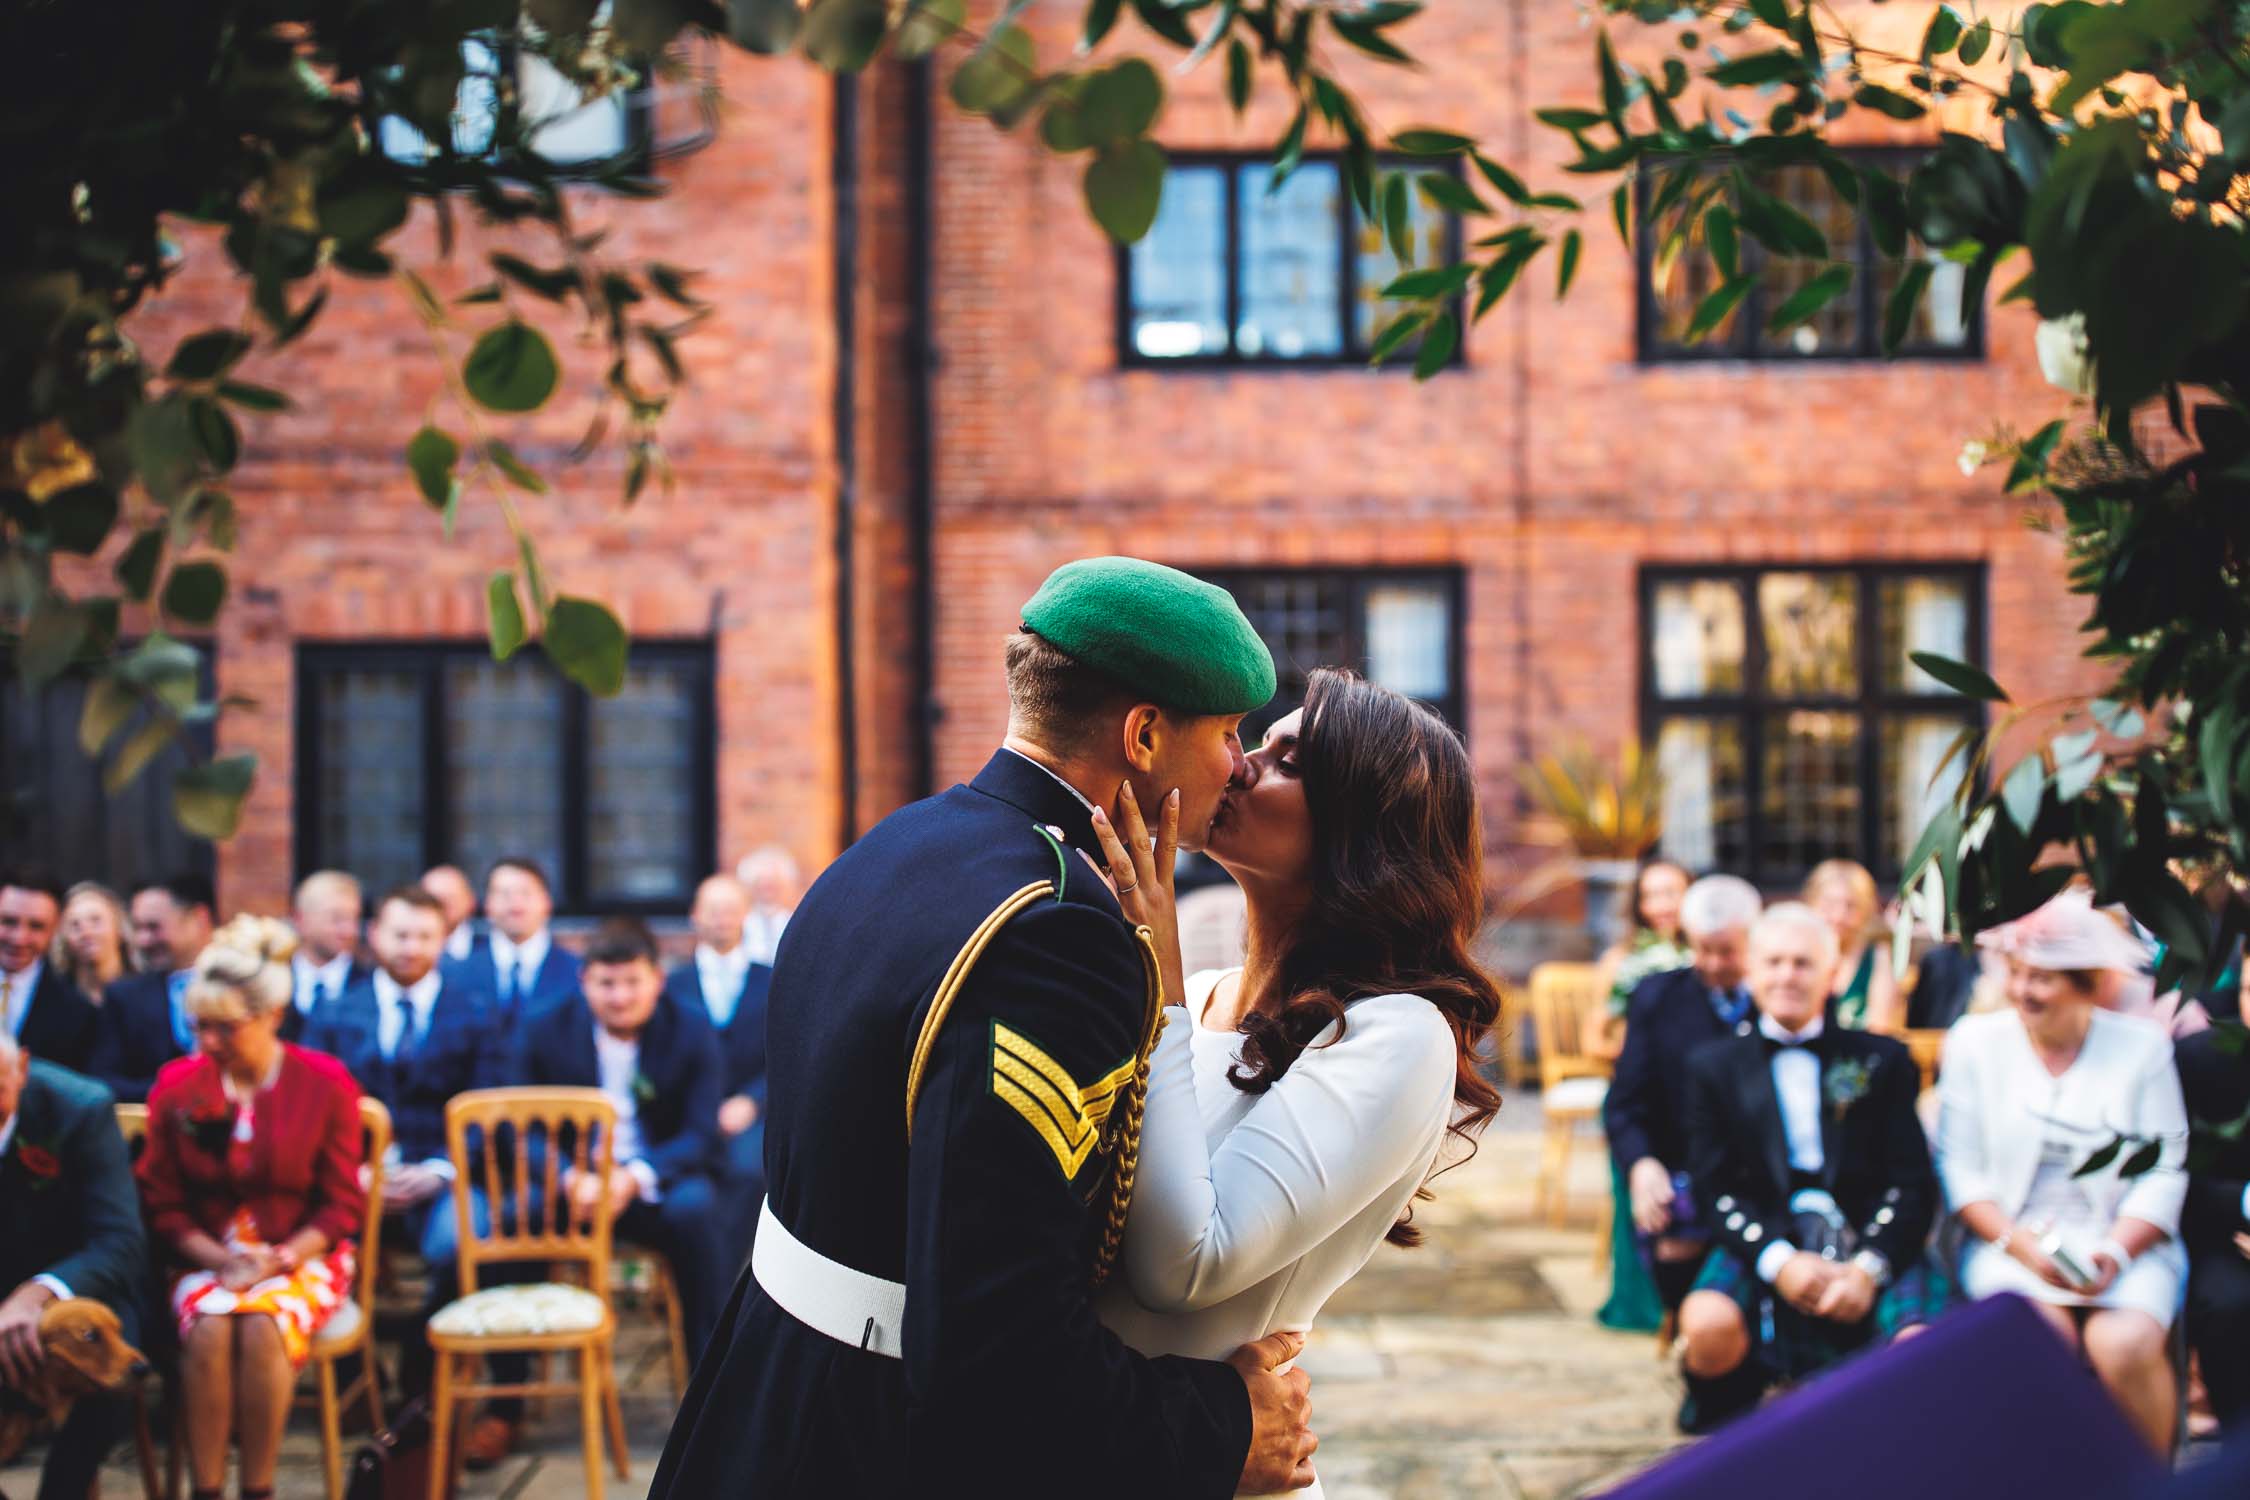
(1126, 1121)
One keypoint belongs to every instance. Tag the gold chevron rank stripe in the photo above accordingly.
(1068, 1116)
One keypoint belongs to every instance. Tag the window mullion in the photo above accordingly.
(1233, 179)
(437, 790)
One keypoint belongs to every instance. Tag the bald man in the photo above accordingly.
(326, 912)
(727, 982)
(459, 899)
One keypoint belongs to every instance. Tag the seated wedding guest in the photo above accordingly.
(325, 912)
(2215, 1225)
(1645, 1113)
(770, 875)
(459, 898)
(39, 1006)
(1805, 1139)
(1652, 944)
(144, 1020)
(518, 967)
(2029, 1098)
(74, 1230)
(727, 985)
(89, 947)
(661, 1067)
(414, 1041)
(1867, 995)
(251, 1184)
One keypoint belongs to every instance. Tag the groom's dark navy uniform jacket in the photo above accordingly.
(1007, 1386)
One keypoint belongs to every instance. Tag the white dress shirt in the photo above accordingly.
(461, 941)
(508, 955)
(721, 975)
(316, 983)
(390, 1029)
(1796, 1088)
(619, 1062)
(7, 1136)
(22, 985)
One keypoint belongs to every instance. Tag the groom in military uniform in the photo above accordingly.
(958, 1033)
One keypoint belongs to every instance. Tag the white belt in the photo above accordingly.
(827, 1296)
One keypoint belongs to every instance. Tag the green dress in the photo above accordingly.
(1633, 1304)
(1851, 1005)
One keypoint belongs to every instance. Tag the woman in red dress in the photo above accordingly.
(251, 1180)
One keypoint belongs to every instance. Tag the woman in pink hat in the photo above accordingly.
(2030, 1098)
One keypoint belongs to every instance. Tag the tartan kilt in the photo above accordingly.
(1791, 1345)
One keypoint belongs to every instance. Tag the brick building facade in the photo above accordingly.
(1523, 539)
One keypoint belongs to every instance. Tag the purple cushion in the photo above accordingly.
(1987, 1403)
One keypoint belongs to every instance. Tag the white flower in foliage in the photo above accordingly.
(1973, 456)
(2061, 343)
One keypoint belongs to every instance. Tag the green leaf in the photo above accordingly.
(1441, 282)
(587, 644)
(2100, 1159)
(518, 473)
(1120, 103)
(136, 568)
(1426, 142)
(78, 519)
(1437, 346)
(1970, 682)
(1289, 152)
(1449, 193)
(161, 442)
(1569, 120)
(138, 751)
(511, 368)
(1621, 211)
(208, 355)
(998, 75)
(928, 25)
(215, 433)
(1573, 243)
(1776, 225)
(252, 397)
(1774, 13)
(109, 704)
(1507, 183)
(50, 639)
(1238, 75)
(1944, 30)
(1062, 127)
(361, 206)
(1811, 298)
(1718, 236)
(1397, 226)
(208, 799)
(2021, 793)
(1613, 80)
(194, 592)
(1777, 66)
(1101, 16)
(2143, 1161)
(1124, 186)
(1715, 308)
(1898, 314)
(503, 615)
(1888, 102)
(1367, 39)
(843, 36)
(1978, 43)
(1395, 335)
(430, 457)
(2030, 466)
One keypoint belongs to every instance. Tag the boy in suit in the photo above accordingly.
(519, 967)
(725, 981)
(39, 1008)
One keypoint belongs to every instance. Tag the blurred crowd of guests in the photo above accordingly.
(1789, 1193)
(251, 1042)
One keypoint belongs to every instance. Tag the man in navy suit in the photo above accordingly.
(414, 1041)
(325, 912)
(1669, 1016)
(143, 1021)
(518, 968)
(727, 984)
(40, 1008)
(660, 1066)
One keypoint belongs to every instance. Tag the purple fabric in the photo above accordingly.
(1986, 1403)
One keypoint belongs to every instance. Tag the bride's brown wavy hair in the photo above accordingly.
(1397, 892)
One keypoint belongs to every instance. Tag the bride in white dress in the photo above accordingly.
(1298, 1104)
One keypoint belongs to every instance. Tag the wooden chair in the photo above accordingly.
(664, 1301)
(132, 1123)
(1572, 1084)
(350, 1329)
(529, 1219)
(1927, 1044)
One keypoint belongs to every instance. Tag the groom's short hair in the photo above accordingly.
(1056, 700)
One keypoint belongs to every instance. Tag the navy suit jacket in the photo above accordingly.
(61, 1022)
(67, 1194)
(294, 1021)
(460, 1050)
(556, 981)
(677, 1112)
(1669, 1016)
(135, 1038)
(743, 1039)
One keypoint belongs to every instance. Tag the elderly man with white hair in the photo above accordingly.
(769, 874)
(1668, 1017)
(1804, 1137)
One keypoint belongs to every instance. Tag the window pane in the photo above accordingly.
(476, 113)
(1809, 800)
(1305, 621)
(1921, 614)
(1835, 328)
(503, 762)
(1908, 756)
(372, 800)
(1938, 321)
(1698, 638)
(1679, 281)
(1179, 269)
(640, 765)
(561, 125)
(1706, 801)
(1809, 621)
(1292, 273)
(1377, 267)
(1410, 638)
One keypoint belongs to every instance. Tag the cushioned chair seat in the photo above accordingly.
(1576, 1095)
(342, 1326)
(513, 1311)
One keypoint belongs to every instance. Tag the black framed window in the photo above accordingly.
(1789, 724)
(1399, 627)
(569, 131)
(414, 755)
(1236, 273)
(1850, 327)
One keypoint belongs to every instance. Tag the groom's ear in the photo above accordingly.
(1143, 734)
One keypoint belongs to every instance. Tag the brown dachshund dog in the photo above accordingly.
(85, 1356)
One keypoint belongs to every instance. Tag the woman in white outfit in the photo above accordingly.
(2028, 1098)
(1298, 1104)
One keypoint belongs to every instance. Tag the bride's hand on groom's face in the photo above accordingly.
(1141, 874)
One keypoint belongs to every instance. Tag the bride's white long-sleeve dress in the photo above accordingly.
(1252, 1209)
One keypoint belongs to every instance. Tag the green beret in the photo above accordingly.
(1178, 639)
